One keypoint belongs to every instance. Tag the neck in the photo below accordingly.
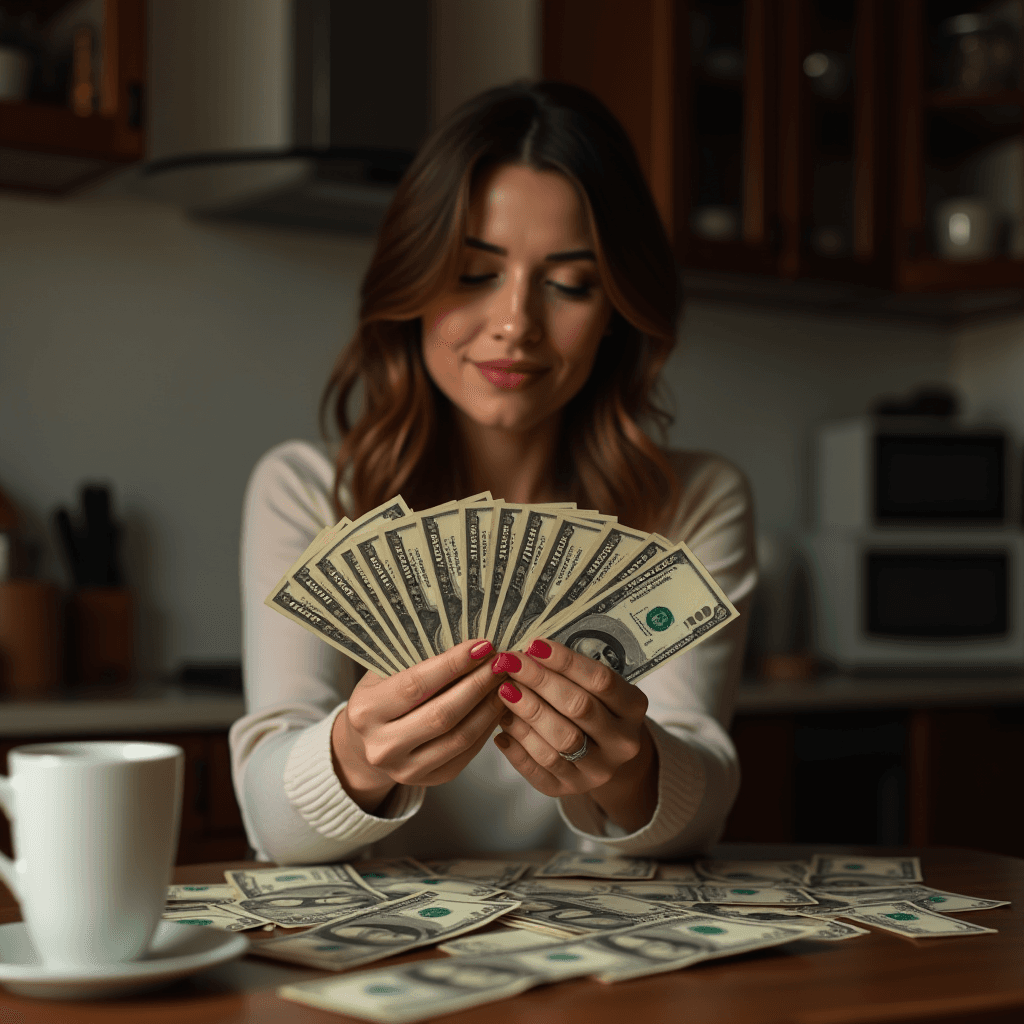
(517, 466)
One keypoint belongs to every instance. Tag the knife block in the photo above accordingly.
(101, 635)
(30, 638)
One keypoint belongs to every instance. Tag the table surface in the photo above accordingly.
(875, 979)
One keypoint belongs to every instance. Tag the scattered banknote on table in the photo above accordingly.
(509, 925)
(396, 587)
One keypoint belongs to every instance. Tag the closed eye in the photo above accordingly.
(576, 292)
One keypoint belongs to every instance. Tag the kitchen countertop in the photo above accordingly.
(164, 706)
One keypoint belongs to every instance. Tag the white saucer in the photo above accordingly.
(176, 950)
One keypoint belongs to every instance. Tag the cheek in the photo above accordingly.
(576, 335)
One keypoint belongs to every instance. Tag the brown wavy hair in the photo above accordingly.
(404, 437)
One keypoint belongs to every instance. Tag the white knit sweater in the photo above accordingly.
(294, 806)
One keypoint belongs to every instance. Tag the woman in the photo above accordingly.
(515, 316)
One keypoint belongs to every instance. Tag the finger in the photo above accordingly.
(398, 694)
(450, 769)
(442, 713)
(554, 730)
(541, 780)
(469, 734)
(593, 675)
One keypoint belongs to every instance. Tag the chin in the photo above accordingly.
(511, 414)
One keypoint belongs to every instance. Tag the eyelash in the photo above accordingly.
(577, 293)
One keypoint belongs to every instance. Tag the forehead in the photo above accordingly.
(519, 207)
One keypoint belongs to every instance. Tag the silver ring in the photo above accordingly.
(576, 754)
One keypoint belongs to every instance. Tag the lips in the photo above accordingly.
(509, 373)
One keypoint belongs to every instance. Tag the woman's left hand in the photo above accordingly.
(563, 701)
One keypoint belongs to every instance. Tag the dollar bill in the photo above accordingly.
(615, 545)
(912, 921)
(297, 897)
(850, 871)
(571, 541)
(504, 530)
(447, 569)
(311, 617)
(394, 886)
(500, 873)
(421, 919)
(568, 864)
(826, 929)
(529, 543)
(571, 912)
(227, 916)
(198, 893)
(675, 892)
(503, 940)
(411, 557)
(922, 896)
(654, 615)
(678, 873)
(760, 872)
(475, 533)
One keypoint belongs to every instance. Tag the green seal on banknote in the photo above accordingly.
(707, 929)
(659, 619)
(435, 912)
(900, 916)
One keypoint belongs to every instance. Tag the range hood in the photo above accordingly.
(297, 112)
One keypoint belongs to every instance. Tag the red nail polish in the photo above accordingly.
(506, 662)
(509, 692)
(539, 649)
(481, 650)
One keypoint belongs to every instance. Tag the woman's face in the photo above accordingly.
(514, 339)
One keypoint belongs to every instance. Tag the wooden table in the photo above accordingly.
(875, 979)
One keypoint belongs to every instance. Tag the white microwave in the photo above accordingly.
(918, 599)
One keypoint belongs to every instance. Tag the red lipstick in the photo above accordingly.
(508, 373)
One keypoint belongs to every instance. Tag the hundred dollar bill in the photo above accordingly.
(922, 896)
(227, 916)
(654, 615)
(411, 557)
(911, 921)
(827, 929)
(474, 536)
(579, 913)
(422, 919)
(674, 892)
(294, 897)
(571, 540)
(502, 544)
(862, 872)
(395, 885)
(507, 940)
(527, 545)
(200, 893)
(568, 864)
(678, 873)
(310, 616)
(447, 569)
(501, 873)
(325, 582)
(760, 872)
(615, 545)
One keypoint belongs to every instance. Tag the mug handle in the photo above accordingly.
(8, 870)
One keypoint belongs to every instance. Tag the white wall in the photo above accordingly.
(164, 355)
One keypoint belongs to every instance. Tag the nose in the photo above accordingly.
(514, 317)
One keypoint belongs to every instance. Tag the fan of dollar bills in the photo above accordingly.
(396, 587)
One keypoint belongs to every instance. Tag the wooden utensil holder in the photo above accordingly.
(30, 638)
(101, 635)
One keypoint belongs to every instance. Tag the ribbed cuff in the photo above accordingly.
(681, 787)
(316, 792)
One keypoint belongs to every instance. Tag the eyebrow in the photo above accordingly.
(552, 257)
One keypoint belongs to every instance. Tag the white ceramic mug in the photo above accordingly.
(95, 828)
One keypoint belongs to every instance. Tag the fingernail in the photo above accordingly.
(481, 650)
(509, 692)
(506, 662)
(502, 740)
(539, 649)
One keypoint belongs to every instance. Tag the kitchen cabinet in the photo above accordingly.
(83, 116)
(904, 772)
(817, 139)
(211, 823)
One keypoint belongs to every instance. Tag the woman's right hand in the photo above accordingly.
(390, 732)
